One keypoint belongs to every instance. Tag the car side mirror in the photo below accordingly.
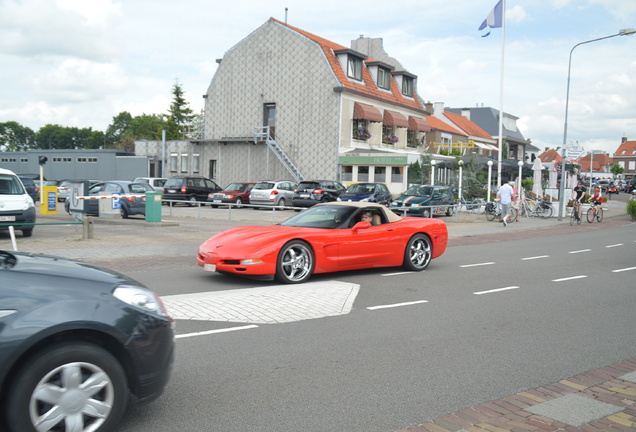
(361, 225)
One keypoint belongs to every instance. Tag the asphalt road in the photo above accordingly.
(483, 322)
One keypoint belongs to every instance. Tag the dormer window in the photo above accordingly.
(354, 68)
(407, 86)
(384, 78)
(351, 61)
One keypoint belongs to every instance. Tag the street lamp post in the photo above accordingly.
(623, 32)
(459, 197)
(489, 175)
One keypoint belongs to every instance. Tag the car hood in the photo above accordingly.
(246, 238)
(412, 199)
(39, 264)
(15, 202)
(354, 197)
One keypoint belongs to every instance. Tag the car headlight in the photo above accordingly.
(28, 203)
(141, 298)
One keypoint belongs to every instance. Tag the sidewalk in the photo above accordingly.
(598, 400)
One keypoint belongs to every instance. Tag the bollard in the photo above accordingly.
(87, 228)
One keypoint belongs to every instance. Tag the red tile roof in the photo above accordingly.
(550, 156)
(443, 126)
(598, 162)
(368, 87)
(628, 148)
(465, 124)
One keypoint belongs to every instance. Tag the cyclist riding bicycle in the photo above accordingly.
(578, 195)
(597, 200)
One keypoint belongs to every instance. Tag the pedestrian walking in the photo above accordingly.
(505, 195)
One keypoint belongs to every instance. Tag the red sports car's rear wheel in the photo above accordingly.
(295, 262)
(418, 253)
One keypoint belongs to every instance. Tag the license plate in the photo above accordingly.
(172, 191)
(209, 267)
(217, 201)
(304, 195)
(7, 218)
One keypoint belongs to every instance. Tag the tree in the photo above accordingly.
(117, 130)
(617, 169)
(15, 137)
(180, 116)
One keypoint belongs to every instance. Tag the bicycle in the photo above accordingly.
(542, 209)
(574, 216)
(476, 205)
(592, 213)
(493, 210)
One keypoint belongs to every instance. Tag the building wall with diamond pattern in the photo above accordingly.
(273, 65)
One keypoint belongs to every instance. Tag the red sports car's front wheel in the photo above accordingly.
(418, 253)
(295, 262)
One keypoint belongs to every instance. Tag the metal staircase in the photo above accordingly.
(261, 134)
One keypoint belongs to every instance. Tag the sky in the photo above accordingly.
(80, 63)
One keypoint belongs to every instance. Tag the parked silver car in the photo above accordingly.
(272, 193)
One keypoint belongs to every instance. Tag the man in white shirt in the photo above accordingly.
(505, 195)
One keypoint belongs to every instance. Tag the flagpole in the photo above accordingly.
(501, 90)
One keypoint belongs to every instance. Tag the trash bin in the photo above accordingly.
(153, 206)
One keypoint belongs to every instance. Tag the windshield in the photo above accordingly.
(265, 186)
(10, 185)
(419, 190)
(362, 188)
(321, 217)
(236, 187)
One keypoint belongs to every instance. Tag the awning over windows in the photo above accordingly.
(419, 124)
(366, 112)
(392, 118)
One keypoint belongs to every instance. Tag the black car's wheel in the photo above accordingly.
(75, 386)
(295, 262)
(27, 232)
(418, 253)
(426, 213)
(123, 212)
(450, 211)
(192, 201)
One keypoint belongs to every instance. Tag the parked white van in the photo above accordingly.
(16, 206)
(155, 182)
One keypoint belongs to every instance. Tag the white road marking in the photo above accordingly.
(624, 269)
(209, 332)
(535, 257)
(476, 265)
(569, 278)
(398, 273)
(397, 305)
(496, 290)
(614, 245)
(265, 305)
(579, 251)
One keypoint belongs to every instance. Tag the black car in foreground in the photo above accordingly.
(310, 192)
(75, 340)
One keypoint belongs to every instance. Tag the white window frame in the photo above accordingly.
(354, 68)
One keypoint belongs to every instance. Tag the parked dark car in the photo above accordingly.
(131, 201)
(64, 188)
(310, 192)
(234, 193)
(630, 185)
(420, 200)
(29, 184)
(189, 188)
(75, 340)
(367, 192)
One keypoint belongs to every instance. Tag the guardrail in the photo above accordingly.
(230, 206)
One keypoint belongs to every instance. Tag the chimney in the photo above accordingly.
(429, 107)
(623, 140)
(438, 108)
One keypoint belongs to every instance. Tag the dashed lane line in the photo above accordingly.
(396, 305)
(569, 278)
(623, 269)
(209, 332)
(496, 290)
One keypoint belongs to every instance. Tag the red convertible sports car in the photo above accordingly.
(325, 238)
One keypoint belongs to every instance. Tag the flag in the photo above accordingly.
(494, 18)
